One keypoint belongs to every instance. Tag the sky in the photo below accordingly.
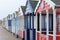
(9, 7)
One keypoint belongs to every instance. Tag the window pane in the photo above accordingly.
(50, 22)
(58, 18)
(59, 27)
(38, 22)
(43, 21)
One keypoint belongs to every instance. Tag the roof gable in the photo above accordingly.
(20, 11)
(30, 6)
(23, 9)
(43, 5)
(34, 4)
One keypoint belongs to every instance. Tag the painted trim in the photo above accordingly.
(37, 6)
(54, 24)
(49, 3)
(47, 24)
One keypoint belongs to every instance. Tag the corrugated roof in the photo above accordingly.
(34, 4)
(23, 9)
(57, 2)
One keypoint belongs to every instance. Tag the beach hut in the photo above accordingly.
(48, 19)
(3, 23)
(29, 19)
(6, 23)
(21, 22)
(13, 24)
(9, 23)
(16, 23)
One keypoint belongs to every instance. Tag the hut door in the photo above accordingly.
(58, 24)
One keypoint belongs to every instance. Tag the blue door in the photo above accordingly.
(10, 25)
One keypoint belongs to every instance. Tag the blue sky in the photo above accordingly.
(9, 6)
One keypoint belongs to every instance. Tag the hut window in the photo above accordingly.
(38, 22)
(43, 22)
(50, 22)
(59, 27)
(58, 18)
(59, 23)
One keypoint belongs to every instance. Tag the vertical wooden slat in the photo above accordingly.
(47, 25)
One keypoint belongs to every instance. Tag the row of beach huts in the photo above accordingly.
(37, 20)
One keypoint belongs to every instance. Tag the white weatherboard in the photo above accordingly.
(29, 8)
